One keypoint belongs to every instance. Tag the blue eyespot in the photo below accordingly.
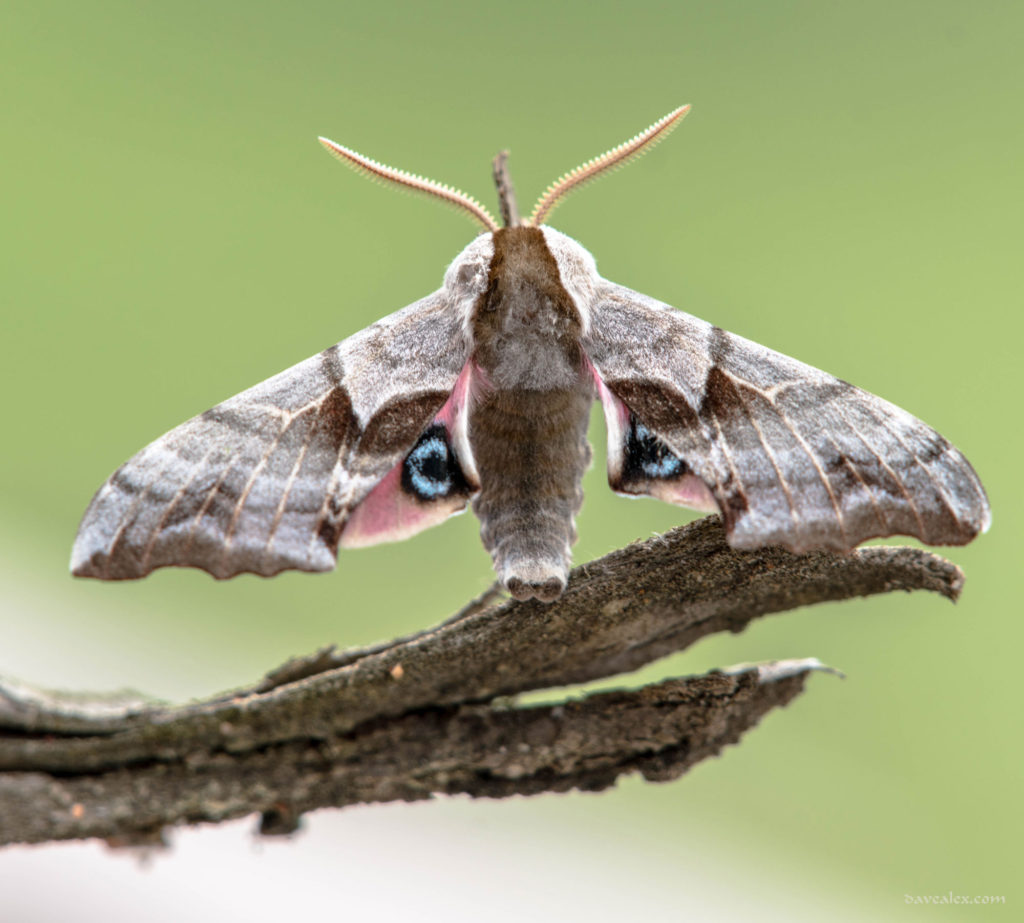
(428, 468)
(647, 457)
(664, 467)
(431, 471)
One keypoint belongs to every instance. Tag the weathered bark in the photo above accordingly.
(418, 716)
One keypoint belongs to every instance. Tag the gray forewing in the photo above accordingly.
(791, 455)
(264, 481)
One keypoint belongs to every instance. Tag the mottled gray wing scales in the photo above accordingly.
(791, 455)
(264, 481)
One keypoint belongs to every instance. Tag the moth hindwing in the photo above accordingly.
(481, 392)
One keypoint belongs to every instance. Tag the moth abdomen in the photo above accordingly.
(531, 451)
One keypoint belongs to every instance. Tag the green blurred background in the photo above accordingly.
(846, 190)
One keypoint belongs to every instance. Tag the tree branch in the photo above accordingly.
(417, 716)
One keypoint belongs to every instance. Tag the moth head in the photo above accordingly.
(616, 157)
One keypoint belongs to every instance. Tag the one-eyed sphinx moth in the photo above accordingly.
(482, 390)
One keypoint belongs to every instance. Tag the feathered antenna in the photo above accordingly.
(616, 157)
(379, 171)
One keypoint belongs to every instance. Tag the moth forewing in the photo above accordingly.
(481, 391)
(266, 481)
(791, 455)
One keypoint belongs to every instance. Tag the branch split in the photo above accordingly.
(427, 714)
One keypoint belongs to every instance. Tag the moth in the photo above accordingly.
(481, 391)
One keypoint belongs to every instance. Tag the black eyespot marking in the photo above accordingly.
(431, 471)
(647, 458)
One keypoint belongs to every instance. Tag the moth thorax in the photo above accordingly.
(526, 328)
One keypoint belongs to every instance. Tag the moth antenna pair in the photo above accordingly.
(616, 157)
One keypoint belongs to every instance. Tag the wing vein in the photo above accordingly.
(129, 519)
(767, 449)
(724, 443)
(879, 513)
(292, 477)
(817, 467)
(882, 462)
(155, 534)
(210, 494)
(939, 489)
(229, 535)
